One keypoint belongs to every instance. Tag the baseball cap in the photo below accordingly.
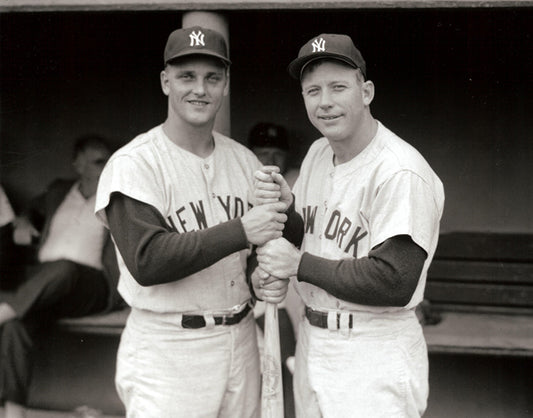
(326, 45)
(266, 134)
(196, 41)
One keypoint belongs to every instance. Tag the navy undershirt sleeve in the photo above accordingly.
(387, 277)
(294, 227)
(156, 254)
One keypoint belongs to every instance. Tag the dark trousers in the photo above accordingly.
(54, 290)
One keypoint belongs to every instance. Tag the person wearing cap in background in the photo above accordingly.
(176, 200)
(371, 207)
(271, 145)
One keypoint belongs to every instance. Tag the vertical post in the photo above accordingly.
(219, 23)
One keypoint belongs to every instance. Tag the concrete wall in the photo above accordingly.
(454, 83)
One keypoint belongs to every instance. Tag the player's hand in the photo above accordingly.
(279, 258)
(265, 190)
(270, 186)
(263, 223)
(285, 190)
(269, 288)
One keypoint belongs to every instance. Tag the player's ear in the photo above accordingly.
(226, 87)
(164, 82)
(367, 90)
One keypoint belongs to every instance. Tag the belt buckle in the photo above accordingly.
(234, 311)
(238, 308)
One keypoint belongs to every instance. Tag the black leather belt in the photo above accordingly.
(198, 321)
(320, 319)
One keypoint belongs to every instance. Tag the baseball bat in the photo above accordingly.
(272, 388)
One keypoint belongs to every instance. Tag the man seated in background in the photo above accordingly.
(76, 275)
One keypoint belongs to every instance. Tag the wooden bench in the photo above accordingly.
(480, 286)
(111, 323)
(479, 289)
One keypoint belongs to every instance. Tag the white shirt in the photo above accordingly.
(75, 233)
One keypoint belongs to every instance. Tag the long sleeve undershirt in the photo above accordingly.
(294, 227)
(387, 277)
(155, 254)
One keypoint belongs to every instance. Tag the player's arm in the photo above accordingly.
(294, 227)
(388, 276)
(155, 254)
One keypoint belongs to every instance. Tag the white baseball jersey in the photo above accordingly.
(191, 193)
(388, 189)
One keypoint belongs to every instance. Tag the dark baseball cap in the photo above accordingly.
(265, 134)
(332, 46)
(196, 41)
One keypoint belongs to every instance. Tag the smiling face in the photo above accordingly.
(337, 99)
(195, 87)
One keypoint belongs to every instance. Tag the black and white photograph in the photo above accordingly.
(266, 209)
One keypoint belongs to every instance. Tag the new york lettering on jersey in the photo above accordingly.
(192, 216)
(339, 228)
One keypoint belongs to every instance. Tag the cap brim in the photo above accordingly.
(200, 52)
(296, 67)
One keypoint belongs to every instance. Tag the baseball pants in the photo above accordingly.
(379, 368)
(166, 371)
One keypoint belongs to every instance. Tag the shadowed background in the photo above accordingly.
(456, 83)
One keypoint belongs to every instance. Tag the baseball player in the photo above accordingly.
(176, 202)
(371, 207)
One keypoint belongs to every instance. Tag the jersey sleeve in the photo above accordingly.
(132, 177)
(404, 205)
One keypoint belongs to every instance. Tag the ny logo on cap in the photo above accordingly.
(197, 39)
(272, 131)
(319, 45)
